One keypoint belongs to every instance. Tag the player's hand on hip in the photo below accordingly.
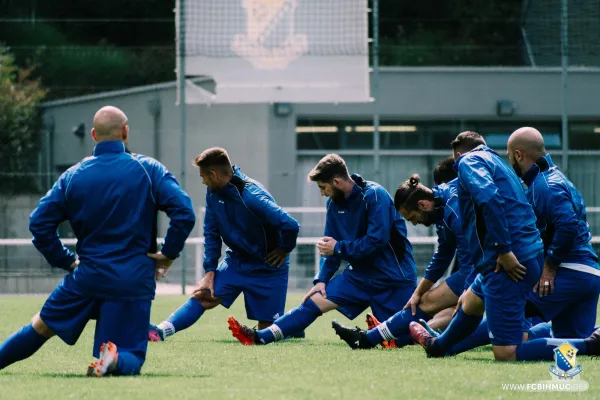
(276, 258)
(413, 302)
(326, 246)
(545, 287)
(510, 264)
(206, 284)
(162, 264)
(318, 288)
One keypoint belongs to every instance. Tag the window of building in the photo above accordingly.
(317, 135)
(358, 134)
(584, 135)
(426, 135)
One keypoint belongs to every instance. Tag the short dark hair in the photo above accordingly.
(444, 171)
(410, 192)
(329, 167)
(467, 141)
(215, 157)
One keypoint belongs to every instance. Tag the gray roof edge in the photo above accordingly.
(172, 84)
(111, 93)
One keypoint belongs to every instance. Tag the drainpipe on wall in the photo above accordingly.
(154, 108)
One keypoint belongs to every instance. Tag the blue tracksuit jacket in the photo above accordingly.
(561, 216)
(371, 236)
(245, 216)
(110, 200)
(449, 228)
(496, 215)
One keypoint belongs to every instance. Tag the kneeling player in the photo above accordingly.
(508, 253)
(363, 228)
(421, 205)
(110, 199)
(259, 236)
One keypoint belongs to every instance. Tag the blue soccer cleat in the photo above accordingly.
(428, 328)
(155, 334)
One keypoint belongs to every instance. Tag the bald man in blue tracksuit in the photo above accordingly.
(110, 200)
(488, 185)
(501, 235)
(567, 293)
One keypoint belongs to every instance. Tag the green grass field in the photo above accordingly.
(205, 362)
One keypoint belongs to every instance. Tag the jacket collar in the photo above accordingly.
(481, 147)
(542, 164)
(439, 203)
(359, 185)
(109, 146)
(236, 184)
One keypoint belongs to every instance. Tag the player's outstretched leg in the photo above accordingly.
(296, 320)
(184, 317)
(20, 345)
(464, 323)
(479, 338)
(461, 327)
(542, 330)
(394, 329)
(297, 335)
(373, 323)
(543, 349)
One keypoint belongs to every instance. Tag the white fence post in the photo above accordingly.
(317, 259)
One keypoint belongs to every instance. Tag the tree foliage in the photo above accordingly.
(20, 126)
(451, 33)
(85, 47)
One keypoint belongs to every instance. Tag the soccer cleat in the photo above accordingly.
(155, 334)
(355, 337)
(246, 335)
(592, 343)
(106, 362)
(428, 328)
(421, 335)
(372, 323)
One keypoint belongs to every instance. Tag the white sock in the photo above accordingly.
(385, 332)
(167, 328)
(276, 331)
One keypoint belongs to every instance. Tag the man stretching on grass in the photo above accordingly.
(363, 228)
(508, 253)
(259, 236)
(422, 205)
(110, 200)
